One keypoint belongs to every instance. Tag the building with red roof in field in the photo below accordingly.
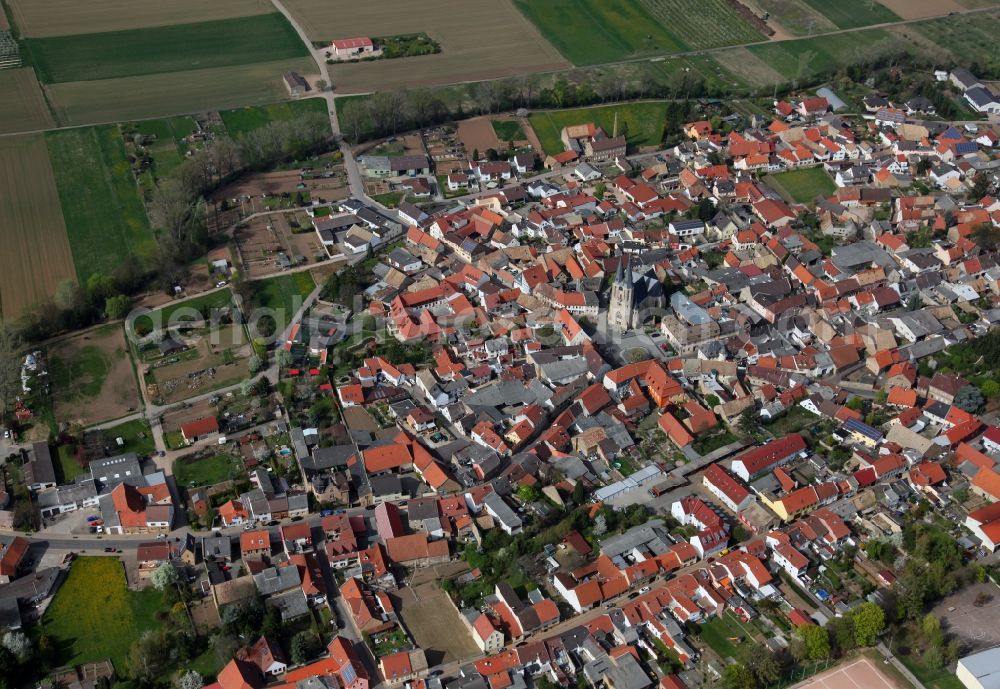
(194, 431)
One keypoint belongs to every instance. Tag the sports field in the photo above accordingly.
(159, 95)
(641, 123)
(242, 120)
(855, 674)
(158, 50)
(22, 106)
(37, 18)
(99, 197)
(36, 253)
(804, 185)
(850, 14)
(480, 39)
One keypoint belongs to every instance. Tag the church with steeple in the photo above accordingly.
(632, 294)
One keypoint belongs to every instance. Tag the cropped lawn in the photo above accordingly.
(136, 435)
(94, 616)
(105, 219)
(163, 49)
(188, 310)
(508, 130)
(243, 120)
(190, 472)
(284, 294)
(803, 186)
(641, 123)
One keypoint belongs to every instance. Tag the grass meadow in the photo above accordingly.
(157, 50)
(94, 616)
(804, 185)
(100, 200)
(242, 120)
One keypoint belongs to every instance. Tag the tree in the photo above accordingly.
(18, 644)
(116, 307)
(255, 364)
(163, 576)
(190, 680)
(990, 388)
(869, 622)
(969, 398)
(149, 657)
(738, 676)
(816, 640)
(305, 646)
(579, 493)
(764, 666)
(10, 366)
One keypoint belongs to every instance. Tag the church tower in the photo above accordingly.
(622, 306)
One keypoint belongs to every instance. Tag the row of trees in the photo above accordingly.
(811, 643)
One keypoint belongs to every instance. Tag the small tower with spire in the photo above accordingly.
(621, 310)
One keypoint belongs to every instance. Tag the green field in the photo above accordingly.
(970, 38)
(851, 14)
(283, 294)
(191, 472)
(94, 616)
(137, 436)
(243, 120)
(173, 314)
(724, 634)
(105, 218)
(157, 50)
(642, 123)
(803, 186)
(590, 32)
(167, 150)
(807, 57)
(67, 468)
(508, 130)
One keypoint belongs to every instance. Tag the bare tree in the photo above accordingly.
(10, 366)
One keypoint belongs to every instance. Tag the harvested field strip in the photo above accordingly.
(918, 9)
(22, 105)
(36, 18)
(851, 14)
(796, 16)
(36, 255)
(748, 67)
(642, 123)
(100, 199)
(589, 32)
(702, 24)
(243, 120)
(810, 56)
(158, 50)
(159, 95)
